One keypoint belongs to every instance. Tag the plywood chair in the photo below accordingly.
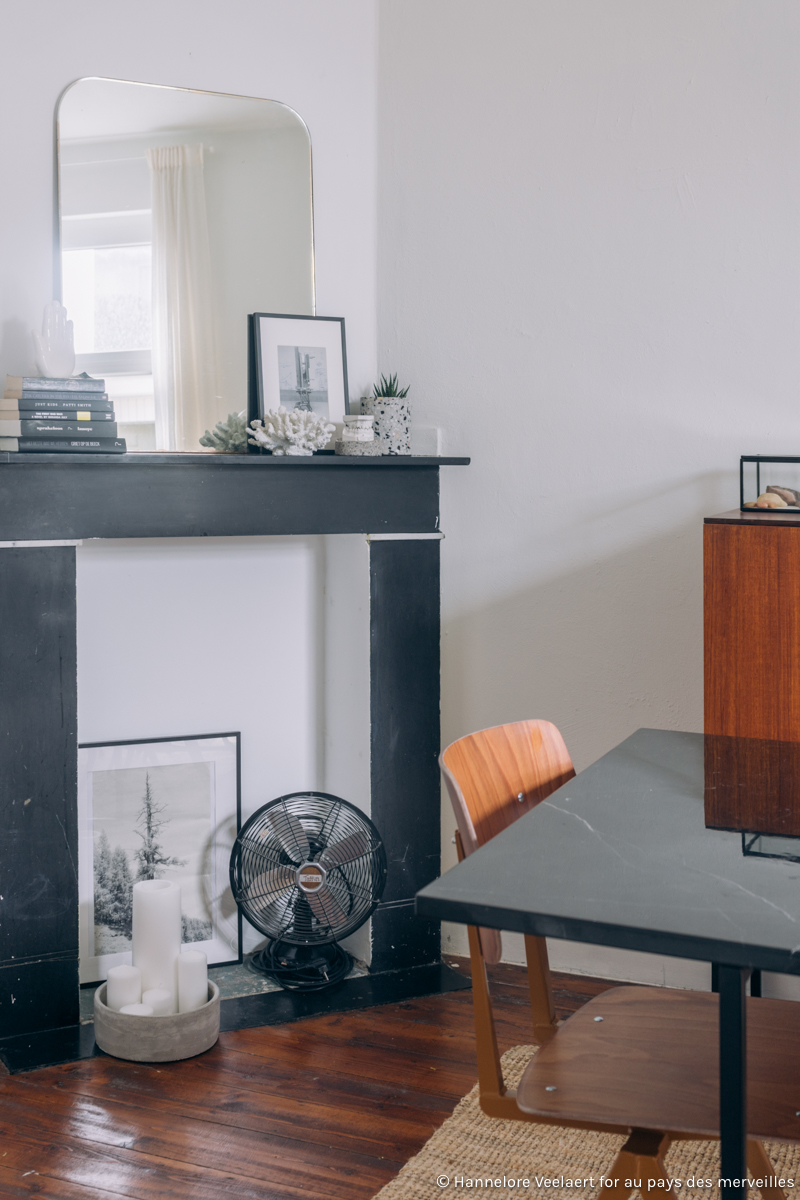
(492, 778)
(658, 1045)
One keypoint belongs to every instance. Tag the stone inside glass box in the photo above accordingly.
(770, 483)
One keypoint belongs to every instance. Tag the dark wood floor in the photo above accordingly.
(329, 1107)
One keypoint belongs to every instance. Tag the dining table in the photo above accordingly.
(672, 843)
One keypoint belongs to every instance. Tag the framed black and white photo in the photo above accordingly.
(167, 808)
(300, 363)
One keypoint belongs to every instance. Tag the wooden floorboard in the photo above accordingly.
(328, 1107)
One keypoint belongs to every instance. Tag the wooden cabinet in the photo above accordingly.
(752, 625)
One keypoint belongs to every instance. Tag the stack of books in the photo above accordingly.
(47, 416)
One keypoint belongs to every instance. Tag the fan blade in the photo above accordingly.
(270, 886)
(326, 907)
(349, 848)
(291, 835)
(263, 849)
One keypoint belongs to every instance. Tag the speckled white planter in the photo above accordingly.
(392, 421)
(358, 449)
(156, 1039)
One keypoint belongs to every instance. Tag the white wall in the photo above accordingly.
(178, 636)
(589, 262)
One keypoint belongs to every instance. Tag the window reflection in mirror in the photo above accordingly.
(180, 213)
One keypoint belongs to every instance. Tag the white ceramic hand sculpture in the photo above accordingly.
(54, 347)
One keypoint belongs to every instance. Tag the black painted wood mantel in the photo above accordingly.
(53, 498)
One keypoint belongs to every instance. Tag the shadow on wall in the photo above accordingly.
(600, 650)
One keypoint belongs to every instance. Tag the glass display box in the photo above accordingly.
(768, 481)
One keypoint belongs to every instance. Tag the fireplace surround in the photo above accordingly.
(49, 503)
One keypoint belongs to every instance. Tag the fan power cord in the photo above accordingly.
(298, 979)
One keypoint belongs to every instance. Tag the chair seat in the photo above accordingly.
(655, 1054)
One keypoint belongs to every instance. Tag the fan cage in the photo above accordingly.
(287, 834)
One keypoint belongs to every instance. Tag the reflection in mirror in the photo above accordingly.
(752, 785)
(763, 845)
(180, 213)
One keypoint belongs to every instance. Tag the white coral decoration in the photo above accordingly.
(295, 432)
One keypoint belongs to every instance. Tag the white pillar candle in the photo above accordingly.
(124, 987)
(192, 980)
(160, 1000)
(157, 933)
(137, 1010)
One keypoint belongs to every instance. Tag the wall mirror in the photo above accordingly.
(180, 212)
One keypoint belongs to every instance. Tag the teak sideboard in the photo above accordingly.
(751, 569)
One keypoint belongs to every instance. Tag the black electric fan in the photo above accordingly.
(307, 869)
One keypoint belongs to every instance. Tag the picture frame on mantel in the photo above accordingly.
(297, 362)
(158, 808)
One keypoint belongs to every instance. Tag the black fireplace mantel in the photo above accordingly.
(59, 496)
(50, 499)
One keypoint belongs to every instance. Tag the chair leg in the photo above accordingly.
(640, 1159)
(760, 1167)
(490, 1073)
(495, 1099)
(541, 988)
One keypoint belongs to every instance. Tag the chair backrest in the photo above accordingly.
(493, 777)
(496, 775)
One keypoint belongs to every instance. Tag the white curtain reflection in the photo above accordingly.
(184, 351)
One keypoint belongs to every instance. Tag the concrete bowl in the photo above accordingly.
(156, 1039)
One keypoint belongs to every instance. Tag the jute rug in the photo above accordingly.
(472, 1154)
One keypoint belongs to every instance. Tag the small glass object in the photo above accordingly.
(769, 482)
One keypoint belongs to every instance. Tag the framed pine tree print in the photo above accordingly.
(166, 808)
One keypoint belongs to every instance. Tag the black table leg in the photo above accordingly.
(733, 1080)
(755, 980)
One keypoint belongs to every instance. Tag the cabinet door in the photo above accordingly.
(752, 631)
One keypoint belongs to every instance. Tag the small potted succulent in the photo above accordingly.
(391, 415)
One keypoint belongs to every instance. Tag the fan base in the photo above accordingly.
(303, 968)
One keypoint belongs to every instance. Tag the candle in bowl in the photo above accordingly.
(157, 932)
(137, 1010)
(192, 980)
(124, 987)
(160, 1000)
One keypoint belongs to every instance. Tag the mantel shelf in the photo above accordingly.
(323, 459)
(76, 496)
